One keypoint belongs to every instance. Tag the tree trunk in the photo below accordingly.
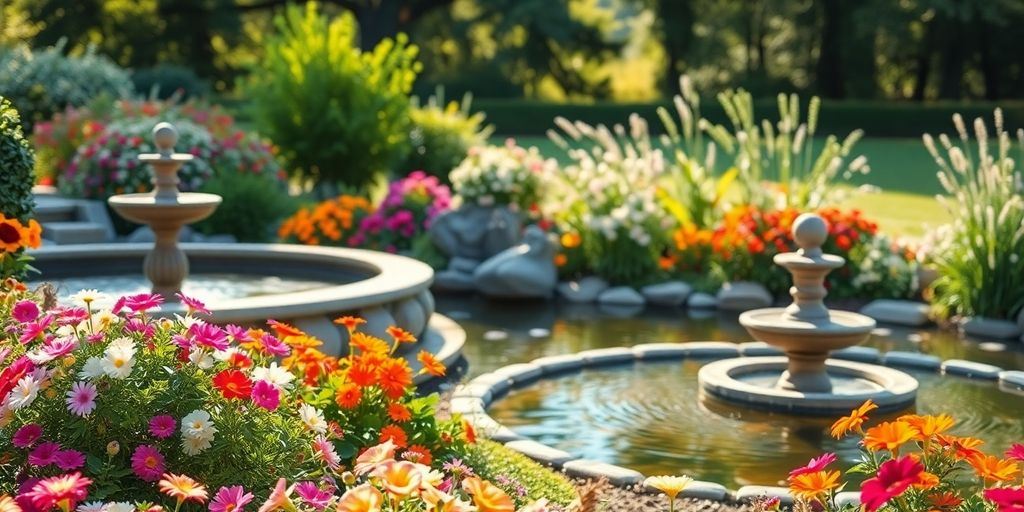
(830, 55)
(951, 76)
(924, 62)
(762, 53)
(677, 18)
(989, 66)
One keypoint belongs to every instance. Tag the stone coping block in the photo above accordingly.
(616, 475)
(491, 429)
(859, 354)
(520, 373)
(699, 490)
(621, 296)
(1012, 379)
(497, 382)
(847, 498)
(481, 391)
(912, 360)
(990, 328)
(467, 406)
(541, 453)
(898, 312)
(559, 364)
(603, 356)
(661, 351)
(711, 349)
(701, 300)
(749, 493)
(971, 369)
(758, 349)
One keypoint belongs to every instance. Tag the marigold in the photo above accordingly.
(361, 373)
(926, 481)
(182, 488)
(993, 469)
(812, 486)
(853, 422)
(284, 330)
(889, 436)
(962, 448)
(401, 335)
(368, 344)
(348, 396)
(395, 434)
(395, 377)
(430, 364)
(398, 412)
(928, 426)
(350, 322)
(486, 496)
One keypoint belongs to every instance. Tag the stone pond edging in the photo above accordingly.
(473, 398)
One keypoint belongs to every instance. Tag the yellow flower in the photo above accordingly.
(670, 485)
(486, 496)
(811, 486)
(361, 499)
(852, 422)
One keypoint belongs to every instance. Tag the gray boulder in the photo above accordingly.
(584, 290)
(743, 296)
(524, 271)
(701, 300)
(899, 312)
(621, 296)
(990, 328)
(475, 232)
(669, 293)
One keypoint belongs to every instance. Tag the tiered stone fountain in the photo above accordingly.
(805, 381)
(166, 210)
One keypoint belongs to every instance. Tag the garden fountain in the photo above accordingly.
(805, 381)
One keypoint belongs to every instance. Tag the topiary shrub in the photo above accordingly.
(17, 230)
(166, 80)
(42, 82)
(442, 134)
(252, 206)
(339, 115)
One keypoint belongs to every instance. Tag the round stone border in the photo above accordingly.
(472, 399)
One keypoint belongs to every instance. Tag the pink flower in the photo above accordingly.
(64, 491)
(35, 329)
(148, 463)
(209, 335)
(27, 436)
(1016, 452)
(280, 498)
(894, 477)
(815, 465)
(60, 347)
(142, 302)
(69, 459)
(81, 399)
(194, 305)
(240, 334)
(324, 450)
(119, 305)
(162, 427)
(230, 499)
(72, 316)
(25, 311)
(138, 326)
(266, 395)
(313, 495)
(44, 454)
(274, 346)
(1008, 500)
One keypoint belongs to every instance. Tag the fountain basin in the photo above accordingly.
(750, 381)
(145, 208)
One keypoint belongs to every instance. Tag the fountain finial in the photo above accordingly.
(165, 136)
(810, 232)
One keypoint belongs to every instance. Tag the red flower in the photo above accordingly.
(1016, 452)
(233, 384)
(395, 434)
(1008, 500)
(894, 477)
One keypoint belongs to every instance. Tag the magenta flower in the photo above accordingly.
(274, 346)
(136, 325)
(44, 454)
(119, 305)
(60, 347)
(69, 459)
(162, 427)
(266, 395)
(143, 302)
(815, 465)
(194, 305)
(148, 463)
(313, 495)
(238, 333)
(35, 329)
(1008, 500)
(209, 335)
(27, 436)
(230, 499)
(72, 316)
(1016, 452)
(25, 311)
(81, 399)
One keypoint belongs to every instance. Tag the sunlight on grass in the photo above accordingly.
(901, 214)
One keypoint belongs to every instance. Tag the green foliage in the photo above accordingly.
(491, 460)
(338, 114)
(167, 80)
(442, 134)
(252, 206)
(978, 256)
(42, 82)
(17, 162)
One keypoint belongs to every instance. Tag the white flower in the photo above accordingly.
(201, 358)
(119, 358)
(39, 356)
(120, 506)
(198, 424)
(189, 320)
(274, 374)
(93, 506)
(103, 319)
(23, 394)
(194, 445)
(313, 418)
(92, 369)
(122, 343)
(87, 297)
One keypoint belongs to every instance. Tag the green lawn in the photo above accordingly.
(902, 168)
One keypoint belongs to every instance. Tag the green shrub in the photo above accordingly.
(16, 163)
(166, 80)
(495, 462)
(252, 206)
(339, 115)
(442, 134)
(42, 82)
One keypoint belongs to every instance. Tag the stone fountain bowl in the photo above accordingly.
(840, 330)
(146, 208)
(385, 289)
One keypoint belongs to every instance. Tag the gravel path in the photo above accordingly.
(634, 499)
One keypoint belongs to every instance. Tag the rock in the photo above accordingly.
(145, 234)
(669, 293)
(743, 296)
(409, 315)
(749, 493)
(621, 296)
(453, 281)
(475, 232)
(1012, 379)
(603, 356)
(539, 332)
(495, 335)
(620, 310)
(616, 475)
(911, 359)
(524, 271)
(701, 300)
(661, 351)
(990, 328)
(711, 349)
(557, 364)
(584, 290)
(899, 312)
(971, 369)
(520, 373)
(466, 265)
(859, 354)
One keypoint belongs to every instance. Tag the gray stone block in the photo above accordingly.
(481, 391)
(584, 290)
(971, 369)
(899, 312)
(743, 296)
(616, 475)
(669, 293)
(711, 349)
(96, 213)
(912, 360)
(661, 351)
(701, 300)
(990, 328)
(487, 427)
(467, 406)
(858, 354)
(541, 452)
(621, 296)
(497, 382)
(602, 356)
(520, 373)
(70, 233)
(558, 364)
(1012, 379)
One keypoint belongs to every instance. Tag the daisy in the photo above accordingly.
(148, 463)
(60, 346)
(313, 495)
(193, 446)
(92, 369)
(27, 436)
(44, 454)
(120, 506)
(324, 450)
(194, 305)
(25, 311)
(103, 319)
(182, 488)
(313, 418)
(93, 506)
(81, 399)
(69, 459)
(162, 427)
(87, 297)
(274, 346)
(23, 394)
(60, 491)
(197, 424)
(119, 358)
(201, 358)
(230, 499)
(273, 374)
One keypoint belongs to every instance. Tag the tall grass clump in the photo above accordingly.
(977, 256)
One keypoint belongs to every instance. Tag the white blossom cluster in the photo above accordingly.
(508, 174)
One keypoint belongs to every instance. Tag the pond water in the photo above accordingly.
(652, 417)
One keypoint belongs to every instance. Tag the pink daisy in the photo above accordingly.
(148, 463)
(162, 427)
(209, 335)
(27, 436)
(143, 301)
(60, 346)
(313, 495)
(1016, 452)
(266, 395)
(82, 398)
(25, 311)
(193, 304)
(69, 459)
(238, 333)
(274, 346)
(324, 450)
(72, 316)
(230, 499)
(64, 492)
(44, 454)
(35, 329)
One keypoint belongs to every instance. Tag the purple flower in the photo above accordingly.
(313, 495)
(27, 435)
(162, 427)
(274, 346)
(457, 468)
(240, 334)
(44, 454)
(60, 346)
(69, 459)
(25, 311)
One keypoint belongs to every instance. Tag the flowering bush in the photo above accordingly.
(914, 465)
(404, 215)
(503, 175)
(331, 222)
(121, 403)
(18, 230)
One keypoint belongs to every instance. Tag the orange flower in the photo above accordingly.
(12, 234)
(944, 500)
(361, 373)
(350, 322)
(33, 234)
(373, 456)
(993, 469)
(394, 378)
(401, 335)
(560, 260)
(666, 262)
(926, 481)
(284, 330)
(889, 436)
(853, 422)
(570, 240)
(928, 426)
(399, 413)
(486, 496)
(368, 344)
(812, 486)
(430, 364)
(7, 504)
(400, 478)
(470, 432)
(963, 448)
(364, 498)
(348, 396)
(419, 454)
(182, 488)
(395, 434)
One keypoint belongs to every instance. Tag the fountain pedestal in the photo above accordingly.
(166, 211)
(806, 381)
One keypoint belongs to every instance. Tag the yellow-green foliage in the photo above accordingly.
(496, 463)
